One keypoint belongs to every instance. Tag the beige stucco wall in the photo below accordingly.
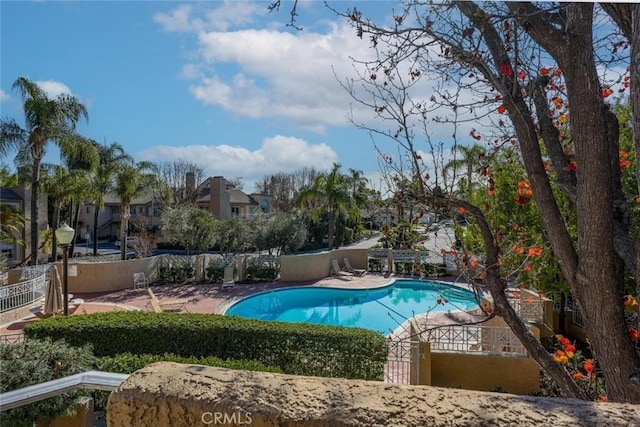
(108, 276)
(517, 375)
(171, 394)
(298, 268)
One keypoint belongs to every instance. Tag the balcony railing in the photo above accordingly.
(475, 338)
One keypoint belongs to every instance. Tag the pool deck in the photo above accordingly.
(209, 297)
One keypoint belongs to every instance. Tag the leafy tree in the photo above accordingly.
(233, 236)
(131, 181)
(174, 174)
(283, 232)
(329, 194)
(285, 187)
(61, 185)
(46, 120)
(470, 161)
(102, 180)
(188, 226)
(530, 69)
(11, 223)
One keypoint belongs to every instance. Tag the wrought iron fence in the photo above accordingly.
(577, 319)
(22, 293)
(398, 369)
(474, 338)
(530, 309)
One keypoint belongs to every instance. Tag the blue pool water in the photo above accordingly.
(382, 309)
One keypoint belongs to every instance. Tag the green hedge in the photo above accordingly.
(127, 363)
(296, 348)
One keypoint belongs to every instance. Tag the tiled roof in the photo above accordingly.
(8, 194)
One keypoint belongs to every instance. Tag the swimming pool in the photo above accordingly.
(381, 309)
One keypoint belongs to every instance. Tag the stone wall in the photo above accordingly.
(171, 394)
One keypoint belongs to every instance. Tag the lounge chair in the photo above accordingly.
(228, 282)
(336, 271)
(161, 306)
(357, 271)
(140, 281)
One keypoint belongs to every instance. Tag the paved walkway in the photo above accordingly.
(202, 297)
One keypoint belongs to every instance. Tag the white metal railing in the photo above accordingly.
(403, 362)
(474, 338)
(23, 293)
(91, 380)
(530, 309)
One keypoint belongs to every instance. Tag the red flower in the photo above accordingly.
(527, 267)
(570, 348)
(506, 70)
(461, 210)
(624, 163)
(501, 109)
(588, 365)
(634, 334)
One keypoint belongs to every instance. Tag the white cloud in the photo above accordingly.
(53, 88)
(281, 75)
(230, 13)
(4, 96)
(277, 154)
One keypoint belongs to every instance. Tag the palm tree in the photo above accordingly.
(470, 160)
(61, 185)
(102, 180)
(131, 181)
(46, 120)
(330, 195)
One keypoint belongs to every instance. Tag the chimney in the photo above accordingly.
(190, 182)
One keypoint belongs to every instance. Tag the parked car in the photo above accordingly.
(131, 241)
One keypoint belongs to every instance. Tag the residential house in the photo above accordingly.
(19, 198)
(141, 208)
(224, 200)
(215, 194)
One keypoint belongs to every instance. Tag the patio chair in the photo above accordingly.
(159, 306)
(357, 271)
(228, 282)
(140, 281)
(339, 273)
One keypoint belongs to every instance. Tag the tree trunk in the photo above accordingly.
(35, 184)
(331, 230)
(75, 217)
(96, 212)
(596, 284)
(54, 239)
(124, 225)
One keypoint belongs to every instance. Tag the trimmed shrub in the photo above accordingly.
(296, 348)
(215, 273)
(34, 362)
(127, 363)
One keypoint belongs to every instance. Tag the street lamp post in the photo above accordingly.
(64, 235)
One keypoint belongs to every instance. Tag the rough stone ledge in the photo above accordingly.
(172, 394)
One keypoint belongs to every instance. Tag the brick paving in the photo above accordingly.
(202, 297)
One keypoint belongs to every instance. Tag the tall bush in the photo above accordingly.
(34, 362)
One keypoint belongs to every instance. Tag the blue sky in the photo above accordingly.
(223, 84)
